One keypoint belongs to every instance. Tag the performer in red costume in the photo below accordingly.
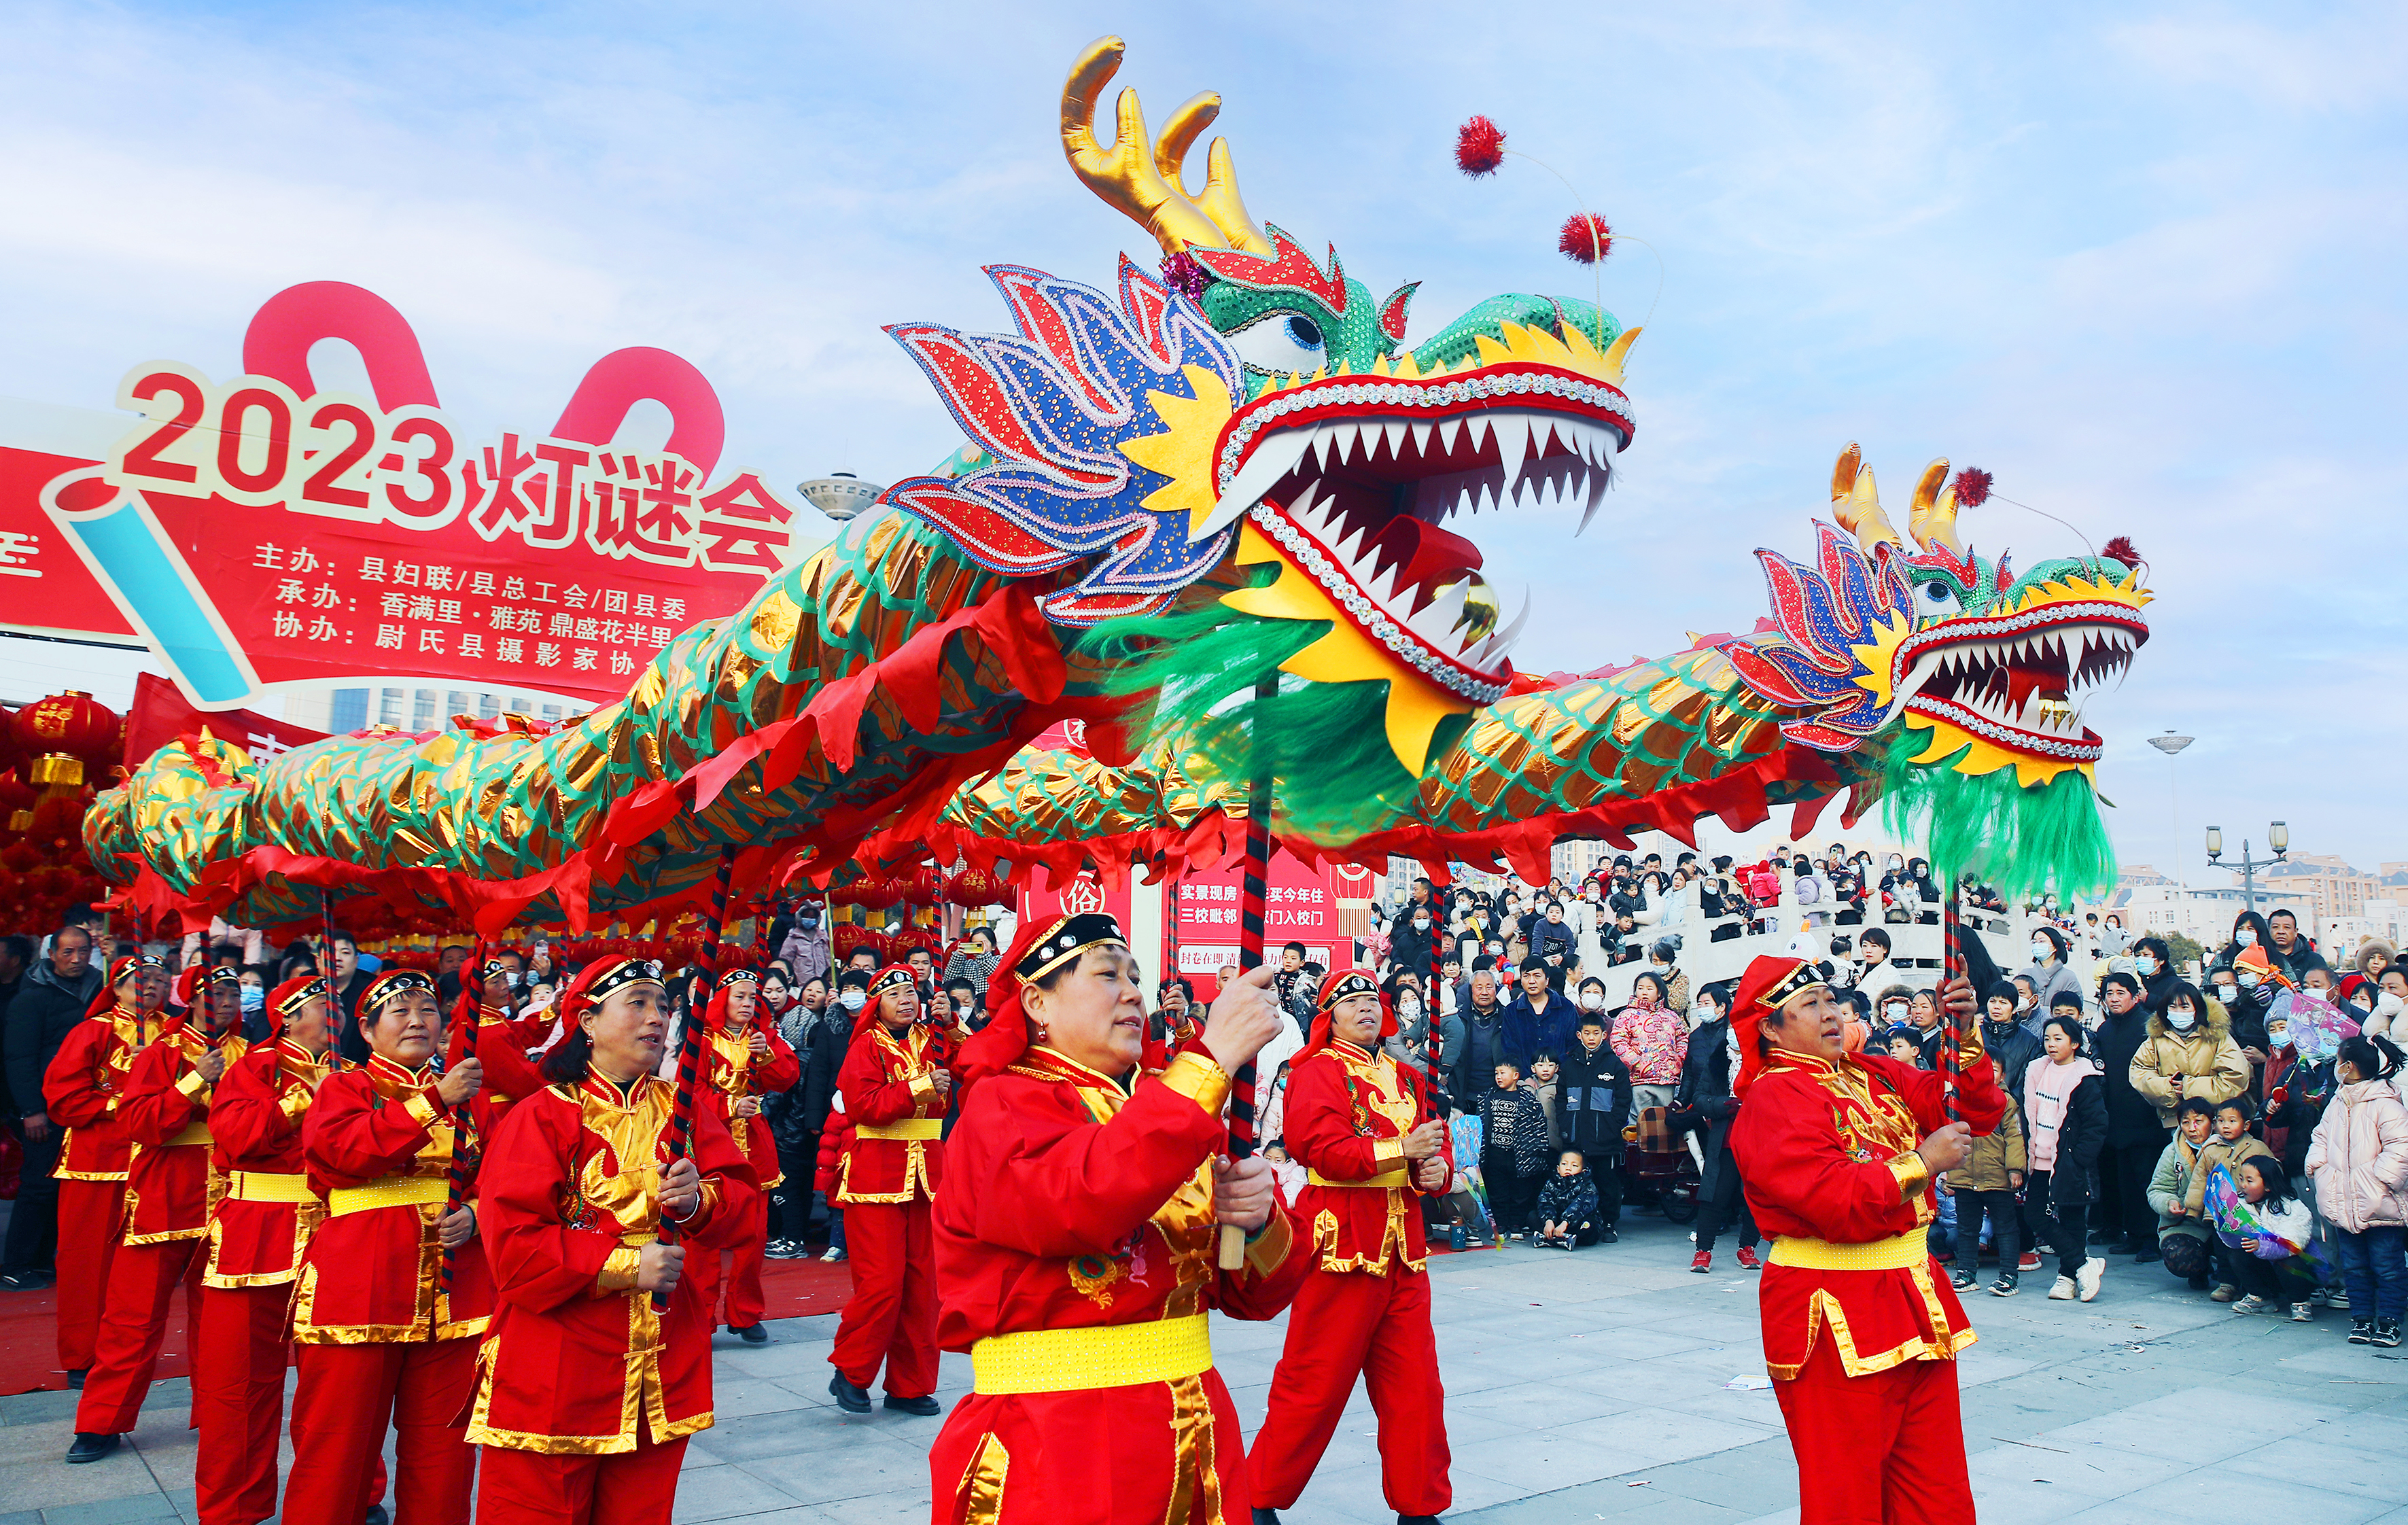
(81, 1090)
(896, 1089)
(574, 1193)
(1839, 1151)
(165, 1115)
(742, 1062)
(261, 1224)
(1077, 1244)
(382, 1344)
(1361, 1125)
(501, 1041)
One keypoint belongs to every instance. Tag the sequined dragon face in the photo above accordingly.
(1992, 665)
(1254, 410)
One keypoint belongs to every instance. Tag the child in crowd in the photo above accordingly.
(1287, 1176)
(1903, 1045)
(1987, 1182)
(2183, 1238)
(1512, 1150)
(2270, 1269)
(2359, 1162)
(2230, 1143)
(1567, 1209)
(1542, 1082)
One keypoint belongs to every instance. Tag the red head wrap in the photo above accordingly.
(120, 968)
(1772, 982)
(714, 1016)
(596, 980)
(285, 1002)
(1041, 947)
(391, 983)
(1340, 986)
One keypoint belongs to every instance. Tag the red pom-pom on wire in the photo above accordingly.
(1972, 486)
(1586, 239)
(2122, 550)
(1479, 147)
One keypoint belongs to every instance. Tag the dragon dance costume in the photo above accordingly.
(731, 1072)
(887, 1181)
(82, 1090)
(164, 1113)
(1860, 1331)
(259, 1227)
(1364, 1309)
(570, 1194)
(382, 1342)
(1076, 1257)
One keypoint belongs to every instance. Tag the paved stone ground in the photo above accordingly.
(1580, 1387)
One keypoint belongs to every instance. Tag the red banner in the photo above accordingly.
(260, 531)
(161, 714)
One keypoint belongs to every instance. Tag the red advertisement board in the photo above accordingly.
(258, 530)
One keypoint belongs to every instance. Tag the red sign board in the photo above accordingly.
(260, 531)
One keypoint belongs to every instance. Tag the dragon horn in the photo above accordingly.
(1856, 502)
(1933, 519)
(1220, 201)
(1127, 175)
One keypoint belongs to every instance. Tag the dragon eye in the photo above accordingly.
(1280, 344)
(1939, 598)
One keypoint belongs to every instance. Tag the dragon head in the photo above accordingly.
(1247, 438)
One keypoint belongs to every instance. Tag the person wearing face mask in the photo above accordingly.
(1705, 1105)
(1661, 956)
(829, 1041)
(2051, 970)
(1413, 930)
(2249, 932)
(2190, 1051)
(2120, 1217)
(2009, 1041)
(2390, 1004)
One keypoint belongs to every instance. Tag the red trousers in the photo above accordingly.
(238, 1401)
(1342, 1325)
(91, 1221)
(633, 1487)
(141, 1279)
(1884, 1449)
(893, 1314)
(348, 1395)
(743, 1284)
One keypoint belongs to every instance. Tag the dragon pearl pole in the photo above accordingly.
(1250, 955)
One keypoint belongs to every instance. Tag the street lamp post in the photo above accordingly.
(2171, 744)
(2278, 835)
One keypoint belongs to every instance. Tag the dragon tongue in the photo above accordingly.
(1273, 459)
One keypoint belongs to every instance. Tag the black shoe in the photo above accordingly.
(1416, 1519)
(750, 1334)
(1265, 1517)
(924, 1406)
(379, 1515)
(23, 1281)
(2199, 1282)
(852, 1400)
(2146, 1254)
(75, 1378)
(91, 1448)
(2387, 1333)
(2108, 1236)
(1607, 1236)
(2005, 1285)
(2362, 1330)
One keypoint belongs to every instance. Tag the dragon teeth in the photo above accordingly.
(1272, 460)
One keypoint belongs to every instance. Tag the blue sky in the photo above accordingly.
(2143, 264)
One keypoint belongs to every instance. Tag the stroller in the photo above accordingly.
(1658, 1165)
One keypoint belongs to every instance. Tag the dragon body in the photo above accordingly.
(1219, 515)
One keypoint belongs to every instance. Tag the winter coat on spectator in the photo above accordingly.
(2169, 1066)
(1555, 939)
(2047, 979)
(2068, 1126)
(1652, 1041)
(1524, 1032)
(2012, 1050)
(2171, 1183)
(1568, 1200)
(1410, 947)
(2295, 1106)
(43, 1012)
(1593, 1101)
(1994, 1154)
(829, 1040)
(2357, 983)
(1548, 1093)
(2359, 1158)
(2214, 1152)
(806, 951)
(1514, 1121)
(967, 963)
(2131, 1117)
(1472, 1051)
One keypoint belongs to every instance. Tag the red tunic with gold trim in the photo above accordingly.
(262, 1218)
(1365, 1310)
(502, 1044)
(1075, 1262)
(890, 1094)
(166, 1116)
(82, 1090)
(568, 1193)
(1826, 1154)
(379, 1146)
(735, 1071)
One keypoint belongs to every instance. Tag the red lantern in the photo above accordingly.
(73, 724)
(872, 893)
(928, 886)
(17, 802)
(975, 887)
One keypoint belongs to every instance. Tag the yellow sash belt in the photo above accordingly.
(1107, 1356)
(267, 1186)
(1388, 1177)
(907, 1127)
(1904, 1252)
(389, 1192)
(195, 1133)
